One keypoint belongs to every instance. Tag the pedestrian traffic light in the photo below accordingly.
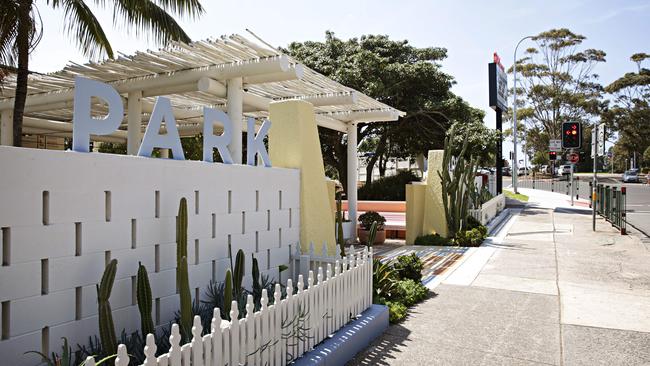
(571, 135)
(552, 155)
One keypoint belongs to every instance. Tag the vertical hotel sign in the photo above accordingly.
(498, 84)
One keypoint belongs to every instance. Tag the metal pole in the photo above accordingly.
(594, 136)
(499, 162)
(571, 186)
(515, 170)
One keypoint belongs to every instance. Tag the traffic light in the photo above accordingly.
(571, 135)
(552, 155)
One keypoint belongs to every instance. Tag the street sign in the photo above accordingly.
(555, 145)
(600, 147)
(573, 158)
(498, 85)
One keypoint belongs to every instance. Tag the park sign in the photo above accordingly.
(555, 145)
(84, 125)
(498, 84)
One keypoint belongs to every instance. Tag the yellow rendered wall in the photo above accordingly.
(294, 143)
(434, 220)
(331, 194)
(414, 211)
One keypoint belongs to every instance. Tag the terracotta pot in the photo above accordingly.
(380, 238)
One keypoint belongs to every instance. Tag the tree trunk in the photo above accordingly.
(381, 147)
(383, 162)
(22, 42)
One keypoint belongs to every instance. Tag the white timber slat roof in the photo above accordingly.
(178, 72)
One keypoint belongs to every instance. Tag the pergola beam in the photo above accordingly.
(295, 72)
(371, 115)
(254, 67)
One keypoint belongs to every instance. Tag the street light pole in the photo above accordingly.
(515, 169)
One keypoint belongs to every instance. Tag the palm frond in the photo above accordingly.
(81, 23)
(189, 8)
(145, 16)
(8, 31)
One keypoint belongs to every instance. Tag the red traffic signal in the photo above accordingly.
(571, 135)
(552, 155)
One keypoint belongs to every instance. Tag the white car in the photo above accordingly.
(564, 169)
(523, 170)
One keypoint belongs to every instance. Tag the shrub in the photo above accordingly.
(384, 281)
(409, 267)
(396, 311)
(432, 239)
(367, 218)
(413, 292)
(471, 238)
(392, 188)
(472, 223)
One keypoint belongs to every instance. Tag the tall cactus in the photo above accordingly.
(186, 301)
(257, 285)
(106, 326)
(181, 236)
(339, 225)
(456, 185)
(238, 275)
(227, 294)
(145, 303)
(182, 277)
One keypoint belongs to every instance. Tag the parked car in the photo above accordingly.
(505, 171)
(630, 176)
(564, 170)
(523, 170)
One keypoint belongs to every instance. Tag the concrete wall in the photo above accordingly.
(64, 215)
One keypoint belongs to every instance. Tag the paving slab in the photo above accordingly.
(590, 346)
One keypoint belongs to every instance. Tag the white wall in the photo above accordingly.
(55, 244)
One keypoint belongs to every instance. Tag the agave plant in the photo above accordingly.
(384, 280)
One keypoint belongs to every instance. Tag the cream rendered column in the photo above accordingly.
(294, 143)
(235, 104)
(353, 163)
(434, 220)
(7, 128)
(134, 122)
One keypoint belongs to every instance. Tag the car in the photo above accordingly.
(630, 176)
(564, 170)
(523, 170)
(505, 171)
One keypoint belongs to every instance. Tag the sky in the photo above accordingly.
(470, 30)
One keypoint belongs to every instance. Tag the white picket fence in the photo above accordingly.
(279, 333)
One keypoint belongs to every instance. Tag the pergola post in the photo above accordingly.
(134, 120)
(235, 104)
(7, 128)
(352, 177)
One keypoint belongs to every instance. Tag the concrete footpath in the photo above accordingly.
(546, 291)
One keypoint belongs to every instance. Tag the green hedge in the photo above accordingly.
(392, 188)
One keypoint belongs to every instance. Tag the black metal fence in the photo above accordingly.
(611, 204)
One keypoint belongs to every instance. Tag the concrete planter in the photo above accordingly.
(380, 238)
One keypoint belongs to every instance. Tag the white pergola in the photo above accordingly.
(231, 73)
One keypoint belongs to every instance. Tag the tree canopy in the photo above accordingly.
(556, 84)
(396, 73)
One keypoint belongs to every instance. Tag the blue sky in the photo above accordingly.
(470, 30)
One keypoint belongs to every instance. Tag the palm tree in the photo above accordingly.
(20, 32)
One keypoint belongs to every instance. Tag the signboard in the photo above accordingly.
(555, 145)
(600, 147)
(573, 158)
(498, 84)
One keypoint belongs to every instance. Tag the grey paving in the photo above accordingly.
(553, 293)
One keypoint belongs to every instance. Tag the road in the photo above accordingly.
(637, 199)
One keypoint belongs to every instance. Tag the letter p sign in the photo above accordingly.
(84, 124)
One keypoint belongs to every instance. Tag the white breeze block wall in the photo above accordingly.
(64, 215)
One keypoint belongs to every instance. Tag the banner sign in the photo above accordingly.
(498, 84)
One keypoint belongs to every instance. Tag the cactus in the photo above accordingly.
(182, 277)
(227, 294)
(186, 301)
(257, 285)
(339, 224)
(143, 293)
(106, 326)
(456, 185)
(181, 236)
(238, 275)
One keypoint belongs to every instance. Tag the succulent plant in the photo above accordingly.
(145, 303)
(106, 325)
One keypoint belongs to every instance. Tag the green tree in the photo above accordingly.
(557, 84)
(398, 74)
(629, 114)
(20, 30)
